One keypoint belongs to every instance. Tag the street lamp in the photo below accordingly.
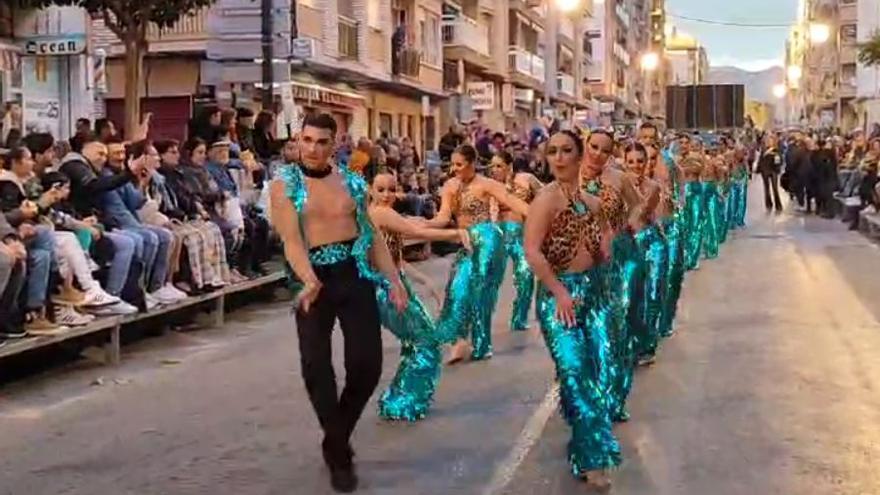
(568, 5)
(779, 90)
(650, 62)
(819, 32)
(795, 73)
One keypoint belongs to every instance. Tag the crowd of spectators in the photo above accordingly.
(98, 226)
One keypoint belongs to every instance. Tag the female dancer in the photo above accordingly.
(563, 246)
(672, 230)
(524, 186)
(653, 257)
(621, 213)
(712, 174)
(411, 391)
(740, 190)
(695, 210)
(472, 290)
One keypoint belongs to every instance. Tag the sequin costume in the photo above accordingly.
(411, 391)
(472, 290)
(711, 226)
(523, 278)
(647, 306)
(618, 281)
(673, 230)
(739, 197)
(724, 188)
(295, 187)
(579, 351)
(694, 221)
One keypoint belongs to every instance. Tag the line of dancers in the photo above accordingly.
(608, 241)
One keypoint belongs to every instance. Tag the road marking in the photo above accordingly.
(527, 439)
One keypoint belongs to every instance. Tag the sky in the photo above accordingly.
(743, 47)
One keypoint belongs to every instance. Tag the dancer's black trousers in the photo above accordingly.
(352, 300)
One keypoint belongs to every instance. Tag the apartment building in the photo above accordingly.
(508, 62)
(688, 61)
(867, 78)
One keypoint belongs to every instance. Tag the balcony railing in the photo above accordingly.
(565, 83)
(188, 27)
(527, 63)
(408, 63)
(464, 31)
(348, 38)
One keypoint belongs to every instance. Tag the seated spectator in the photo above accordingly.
(238, 211)
(21, 213)
(82, 167)
(13, 256)
(180, 210)
(360, 157)
(152, 244)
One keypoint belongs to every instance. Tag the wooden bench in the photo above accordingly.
(113, 325)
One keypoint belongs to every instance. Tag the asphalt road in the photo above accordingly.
(768, 387)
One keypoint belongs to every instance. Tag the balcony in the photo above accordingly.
(526, 63)
(466, 32)
(408, 63)
(348, 38)
(186, 28)
(566, 28)
(565, 84)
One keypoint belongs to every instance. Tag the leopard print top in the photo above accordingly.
(524, 193)
(613, 208)
(478, 209)
(572, 229)
(394, 241)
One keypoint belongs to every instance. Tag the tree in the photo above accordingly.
(129, 20)
(869, 51)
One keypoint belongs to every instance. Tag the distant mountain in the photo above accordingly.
(759, 85)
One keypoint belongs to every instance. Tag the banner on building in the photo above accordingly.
(481, 94)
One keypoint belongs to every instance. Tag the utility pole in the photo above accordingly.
(266, 15)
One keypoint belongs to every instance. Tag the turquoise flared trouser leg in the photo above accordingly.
(674, 274)
(622, 279)
(411, 391)
(743, 202)
(711, 237)
(523, 278)
(654, 255)
(472, 291)
(724, 215)
(578, 354)
(693, 222)
(733, 204)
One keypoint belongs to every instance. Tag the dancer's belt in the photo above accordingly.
(330, 254)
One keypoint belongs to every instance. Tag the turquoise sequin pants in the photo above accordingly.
(724, 201)
(711, 227)
(647, 307)
(674, 273)
(742, 187)
(523, 278)
(411, 391)
(694, 219)
(578, 353)
(621, 281)
(472, 291)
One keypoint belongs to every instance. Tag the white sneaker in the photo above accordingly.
(167, 295)
(181, 295)
(97, 297)
(121, 308)
(67, 316)
(151, 301)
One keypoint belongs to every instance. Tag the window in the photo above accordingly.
(385, 123)
(409, 127)
(373, 14)
(371, 125)
(5, 20)
(848, 33)
(400, 122)
(432, 52)
(429, 133)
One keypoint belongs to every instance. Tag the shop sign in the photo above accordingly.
(524, 95)
(55, 45)
(302, 48)
(481, 94)
(42, 114)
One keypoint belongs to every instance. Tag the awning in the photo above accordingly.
(10, 58)
(305, 87)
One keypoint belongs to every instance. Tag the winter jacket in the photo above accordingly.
(203, 185)
(119, 206)
(12, 194)
(185, 199)
(86, 186)
(6, 231)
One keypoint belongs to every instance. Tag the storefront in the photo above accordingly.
(312, 95)
(54, 68)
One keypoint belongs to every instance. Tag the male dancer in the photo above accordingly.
(320, 212)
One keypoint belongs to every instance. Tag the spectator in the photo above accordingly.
(83, 126)
(105, 130)
(824, 161)
(12, 279)
(82, 167)
(265, 145)
(206, 124)
(244, 130)
(360, 157)
(152, 244)
(203, 240)
(449, 141)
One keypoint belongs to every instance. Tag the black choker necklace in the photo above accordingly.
(316, 174)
